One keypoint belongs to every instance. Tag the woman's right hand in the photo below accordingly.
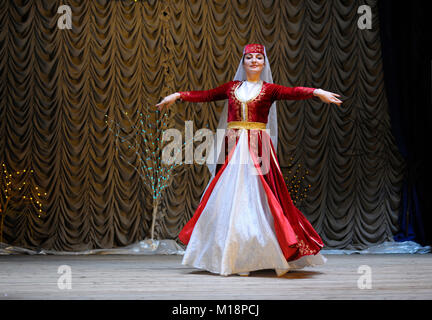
(327, 96)
(168, 101)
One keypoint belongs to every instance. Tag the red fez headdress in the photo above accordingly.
(254, 48)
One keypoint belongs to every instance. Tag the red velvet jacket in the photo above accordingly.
(255, 109)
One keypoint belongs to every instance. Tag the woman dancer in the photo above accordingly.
(246, 219)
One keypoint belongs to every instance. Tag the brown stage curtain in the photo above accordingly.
(57, 85)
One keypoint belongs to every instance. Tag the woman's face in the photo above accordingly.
(253, 63)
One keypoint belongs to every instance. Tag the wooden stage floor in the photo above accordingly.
(163, 277)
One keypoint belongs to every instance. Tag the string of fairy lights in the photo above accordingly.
(16, 189)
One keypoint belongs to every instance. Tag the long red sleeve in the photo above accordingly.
(292, 93)
(219, 93)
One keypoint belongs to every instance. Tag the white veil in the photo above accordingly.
(272, 124)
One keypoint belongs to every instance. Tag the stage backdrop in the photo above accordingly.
(58, 84)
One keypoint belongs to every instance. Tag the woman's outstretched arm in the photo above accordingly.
(302, 93)
(219, 93)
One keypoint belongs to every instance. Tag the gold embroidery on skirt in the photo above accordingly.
(304, 248)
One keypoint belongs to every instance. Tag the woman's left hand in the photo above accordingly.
(328, 97)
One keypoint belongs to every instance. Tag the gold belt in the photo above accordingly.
(248, 125)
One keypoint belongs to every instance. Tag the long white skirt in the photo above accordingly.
(235, 232)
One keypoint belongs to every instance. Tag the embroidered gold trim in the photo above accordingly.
(244, 112)
(304, 248)
(262, 93)
(246, 125)
(232, 94)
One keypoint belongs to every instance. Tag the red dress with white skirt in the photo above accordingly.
(246, 219)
